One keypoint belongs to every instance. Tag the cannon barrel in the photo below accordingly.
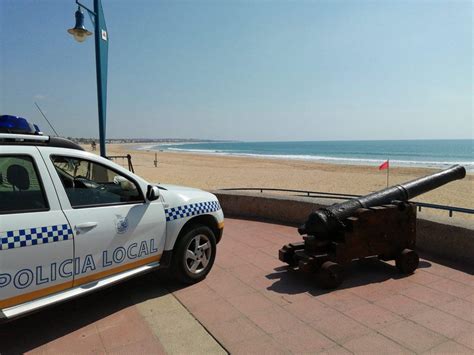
(326, 221)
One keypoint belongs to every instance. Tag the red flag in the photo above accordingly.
(384, 165)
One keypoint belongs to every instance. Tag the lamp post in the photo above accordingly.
(80, 33)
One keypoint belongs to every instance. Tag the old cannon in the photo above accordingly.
(381, 224)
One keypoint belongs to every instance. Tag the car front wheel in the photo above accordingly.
(195, 254)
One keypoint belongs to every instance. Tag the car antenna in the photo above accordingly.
(39, 109)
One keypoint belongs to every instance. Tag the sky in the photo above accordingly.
(251, 70)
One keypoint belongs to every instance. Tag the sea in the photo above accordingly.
(406, 153)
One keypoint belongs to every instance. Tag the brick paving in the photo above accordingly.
(139, 316)
(107, 321)
(253, 303)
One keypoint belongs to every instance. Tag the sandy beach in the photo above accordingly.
(211, 172)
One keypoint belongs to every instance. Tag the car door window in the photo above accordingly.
(91, 184)
(20, 186)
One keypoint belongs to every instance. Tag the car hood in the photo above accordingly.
(175, 195)
(176, 188)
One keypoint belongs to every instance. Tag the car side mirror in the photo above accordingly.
(153, 193)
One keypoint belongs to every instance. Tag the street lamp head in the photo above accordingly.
(79, 31)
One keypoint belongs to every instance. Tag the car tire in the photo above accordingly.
(194, 254)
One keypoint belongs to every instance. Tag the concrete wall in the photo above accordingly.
(448, 238)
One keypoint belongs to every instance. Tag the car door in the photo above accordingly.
(36, 241)
(115, 228)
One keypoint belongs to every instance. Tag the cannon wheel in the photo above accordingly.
(287, 255)
(407, 261)
(330, 275)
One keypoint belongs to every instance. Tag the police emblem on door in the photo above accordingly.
(121, 224)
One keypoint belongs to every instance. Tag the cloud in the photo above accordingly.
(39, 97)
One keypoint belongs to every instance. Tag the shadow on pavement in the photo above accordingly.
(460, 266)
(358, 273)
(369, 271)
(36, 329)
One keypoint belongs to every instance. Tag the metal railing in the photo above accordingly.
(123, 157)
(339, 196)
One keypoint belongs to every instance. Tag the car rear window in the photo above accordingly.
(20, 186)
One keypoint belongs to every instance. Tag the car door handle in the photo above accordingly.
(85, 227)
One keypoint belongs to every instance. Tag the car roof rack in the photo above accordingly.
(24, 137)
(57, 142)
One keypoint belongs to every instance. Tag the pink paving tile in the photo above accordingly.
(378, 291)
(148, 347)
(228, 285)
(466, 338)
(281, 293)
(261, 282)
(250, 303)
(86, 339)
(451, 287)
(197, 295)
(413, 336)
(459, 308)
(464, 278)
(118, 318)
(274, 320)
(303, 339)
(440, 270)
(276, 298)
(310, 310)
(373, 316)
(37, 351)
(272, 249)
(424, 278)
(342, 300)
(228, 244)
(219, 310)
(247, 254)
(374, 343)
(254, 241)
(441, 322)
(123, 334)
(259, 345)
(235, 331)
(229, 260)
(340, 328)
(296, 297)
(278, 239)
(335, 350)
(372, 292)
(402, 305)
(215, 276)
(450, 347)
(266, 262)
(427, 295)
(247, 272)
(287, 238)
(469, 298)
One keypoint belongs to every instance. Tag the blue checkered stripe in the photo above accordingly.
(191, 210)
(34, 236)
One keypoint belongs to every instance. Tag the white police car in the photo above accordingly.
(72, 222)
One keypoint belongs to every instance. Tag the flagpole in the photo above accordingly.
(388, 170)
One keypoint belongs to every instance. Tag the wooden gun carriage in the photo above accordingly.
(381, 224)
